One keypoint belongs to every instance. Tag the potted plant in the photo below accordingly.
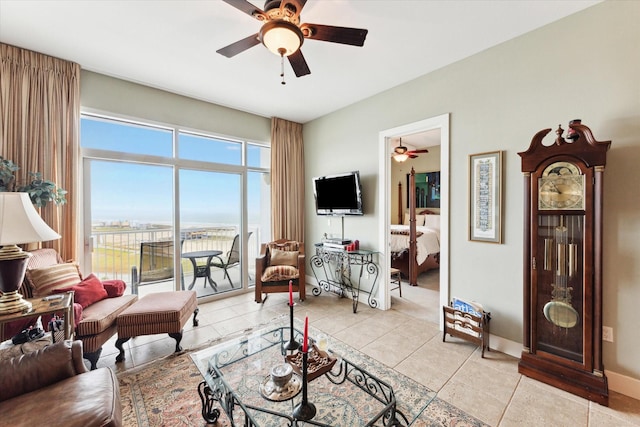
(41, 191)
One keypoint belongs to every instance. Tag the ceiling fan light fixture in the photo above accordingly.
(281, 37)
(400, 157)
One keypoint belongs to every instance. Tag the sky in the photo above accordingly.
(143, 193)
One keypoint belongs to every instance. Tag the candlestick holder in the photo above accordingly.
(292, 345)
(304, 410)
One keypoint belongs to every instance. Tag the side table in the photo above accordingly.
(57, 303)
(201, 270)
(333, 269)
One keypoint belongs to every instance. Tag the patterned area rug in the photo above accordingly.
(164, 393)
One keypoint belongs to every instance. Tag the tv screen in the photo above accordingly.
(339, 194)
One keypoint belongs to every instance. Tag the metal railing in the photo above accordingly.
(115, 251)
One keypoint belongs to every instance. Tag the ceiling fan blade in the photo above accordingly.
(240, 46)
(328, 33)
(424, 150)
(299, 64)
(248, 8)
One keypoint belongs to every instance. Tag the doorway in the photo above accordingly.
(387, 139)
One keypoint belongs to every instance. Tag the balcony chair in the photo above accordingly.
(156, 264)
(279, 262)
(232, 258)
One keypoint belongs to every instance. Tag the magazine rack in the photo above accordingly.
(467, 326)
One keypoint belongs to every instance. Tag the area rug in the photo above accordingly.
(164, 393)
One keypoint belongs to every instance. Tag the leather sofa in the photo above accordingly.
(53, 385)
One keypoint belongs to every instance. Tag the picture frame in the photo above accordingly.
(485, 197)
(427, 189)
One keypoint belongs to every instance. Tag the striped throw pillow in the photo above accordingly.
(45, 280)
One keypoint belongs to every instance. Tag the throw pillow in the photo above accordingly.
(289, 245)
(432, 221)
(278, 273)
(279, 257)
(87, 292)
(419, 220)
(114, 287)
(45, 280)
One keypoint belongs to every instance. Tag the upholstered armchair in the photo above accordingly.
(279, 262)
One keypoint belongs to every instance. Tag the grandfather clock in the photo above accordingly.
(563, 187)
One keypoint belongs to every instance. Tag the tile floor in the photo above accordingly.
(490, 389)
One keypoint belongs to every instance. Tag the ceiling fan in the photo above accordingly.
(282, 33)
(402, 153)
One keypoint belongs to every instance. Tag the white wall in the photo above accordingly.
(585, 66)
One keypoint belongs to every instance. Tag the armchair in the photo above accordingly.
(279, 262)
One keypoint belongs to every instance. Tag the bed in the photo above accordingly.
(413, 256)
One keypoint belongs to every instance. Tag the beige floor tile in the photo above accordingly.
(622, 411)
(538, 404)
(391, 348)
(435, 362)
(477, 378)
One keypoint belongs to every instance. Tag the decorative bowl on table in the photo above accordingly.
(318, 363)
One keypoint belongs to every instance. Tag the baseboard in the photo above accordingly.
(505, 346)
(623, 384)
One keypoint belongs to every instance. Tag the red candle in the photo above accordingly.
(305, 338)
(290, 292)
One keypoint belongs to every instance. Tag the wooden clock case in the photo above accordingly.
(564, 348)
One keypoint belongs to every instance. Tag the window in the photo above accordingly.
(138, 192)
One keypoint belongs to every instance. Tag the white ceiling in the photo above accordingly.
(172, 45)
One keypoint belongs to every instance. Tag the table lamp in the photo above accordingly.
(20, 223)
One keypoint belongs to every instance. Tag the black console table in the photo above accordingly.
(341, 271)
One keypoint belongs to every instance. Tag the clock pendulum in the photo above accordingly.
(559, 310)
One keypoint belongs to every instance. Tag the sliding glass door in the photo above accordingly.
(130, 223)
(210, 231)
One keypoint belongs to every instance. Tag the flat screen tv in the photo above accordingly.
(339, 194)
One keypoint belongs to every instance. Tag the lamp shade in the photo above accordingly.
(20, 222)
(281, 37)
(400, 157)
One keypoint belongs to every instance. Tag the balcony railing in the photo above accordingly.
(116, 251)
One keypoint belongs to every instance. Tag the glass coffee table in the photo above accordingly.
(357, 391)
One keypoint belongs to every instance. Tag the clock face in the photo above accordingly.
(561, 186)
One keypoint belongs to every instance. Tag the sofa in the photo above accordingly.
(95, 312)
(52, 385)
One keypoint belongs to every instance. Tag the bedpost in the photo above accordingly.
(400, 216)
(413, 268)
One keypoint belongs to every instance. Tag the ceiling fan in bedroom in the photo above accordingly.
(283, 34)
(402, 153)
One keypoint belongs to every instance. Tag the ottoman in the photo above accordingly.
(157, 313)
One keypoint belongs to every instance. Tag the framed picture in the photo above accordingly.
(485, 197)
(427, 190)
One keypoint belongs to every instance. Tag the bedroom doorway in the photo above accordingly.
(389, 209)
